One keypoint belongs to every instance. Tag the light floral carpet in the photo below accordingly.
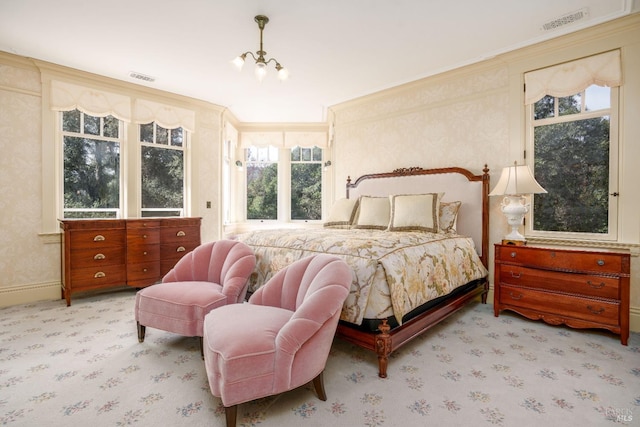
(83, 366)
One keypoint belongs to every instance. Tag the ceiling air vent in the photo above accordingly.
(141, 76)
(567, 19)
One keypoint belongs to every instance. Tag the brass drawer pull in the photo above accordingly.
(595, 285)
(516, 275)
(99, 238)
(514, 296)
(600, 262)
(99, 256)
(181, 233)
(144, 236)
(594, 311)
(180, 249)
(99, 275)
(513, 254)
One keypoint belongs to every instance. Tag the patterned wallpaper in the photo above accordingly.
(25, 259)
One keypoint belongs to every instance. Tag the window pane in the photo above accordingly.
(317, 154)
(262, 191)
(162, 173)
(71, 121)
(295, 154)
(91, 174)
(146, 132)
(572, 164)
(306, 191)
(91, 125)
(597, 98)
(162, 135)
(570, 104)
(110, 127)
(176, 137)
(544, 108)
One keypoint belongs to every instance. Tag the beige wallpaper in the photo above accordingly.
(26, 259)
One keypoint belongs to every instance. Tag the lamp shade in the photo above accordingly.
(516, 180)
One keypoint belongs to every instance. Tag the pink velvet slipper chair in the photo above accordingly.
(212, 275)
(280, 339)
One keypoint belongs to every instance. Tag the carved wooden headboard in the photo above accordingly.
(456, 184)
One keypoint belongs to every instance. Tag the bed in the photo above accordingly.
(417, 242)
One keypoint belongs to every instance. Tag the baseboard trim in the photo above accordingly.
(26, 294)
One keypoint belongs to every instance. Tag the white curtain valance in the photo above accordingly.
(573, 77)
(261, 139)
(284, 139)
(95, 102)
(305, 139)
(167, 116)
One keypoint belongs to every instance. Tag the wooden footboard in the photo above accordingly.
(387, 340)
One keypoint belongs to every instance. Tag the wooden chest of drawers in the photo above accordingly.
(581, 289)
(103, 253)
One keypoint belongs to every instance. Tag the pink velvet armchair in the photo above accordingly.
(280, 339)
(212, 275)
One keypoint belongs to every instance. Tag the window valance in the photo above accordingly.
(305, 139)
(95, 102)
(167, 116)
(573, 77)
(284, 139)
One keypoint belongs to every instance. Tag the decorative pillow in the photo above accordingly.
(342, 214)
(449, 216)
(373, 213)
(414, 212)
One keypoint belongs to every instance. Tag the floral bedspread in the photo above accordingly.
(418, 266)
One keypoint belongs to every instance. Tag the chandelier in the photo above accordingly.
(261, 62)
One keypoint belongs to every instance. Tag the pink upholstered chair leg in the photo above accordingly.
(318, 384)
(231, 413)
(141, 331)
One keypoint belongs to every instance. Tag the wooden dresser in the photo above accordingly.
(104, 253)
(581, 289)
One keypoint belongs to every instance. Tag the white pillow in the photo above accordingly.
(448, 218)
(373, 213)
(342, 213)
(415, 212)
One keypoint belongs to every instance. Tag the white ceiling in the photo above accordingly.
(336, 50)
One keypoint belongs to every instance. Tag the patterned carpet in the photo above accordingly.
(83, 366)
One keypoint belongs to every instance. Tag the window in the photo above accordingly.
(284, 180)
(92, 179)
(572, 149)
(162, 170)
(306, 183)
(262, 183)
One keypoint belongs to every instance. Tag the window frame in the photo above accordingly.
(614, 166)
(183, 148)
(284, 163)
(120, 212)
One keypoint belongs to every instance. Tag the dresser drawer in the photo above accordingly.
(92, 239)
(146, 271)
(592, 310)
(583, 284)
(97, 257)
(560, 259)
(180, 234)
(142, 253)
(100, 276)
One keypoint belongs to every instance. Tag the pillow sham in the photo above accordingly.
(414, 212)
(373, 213)
(448, 217)
(342, 214)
